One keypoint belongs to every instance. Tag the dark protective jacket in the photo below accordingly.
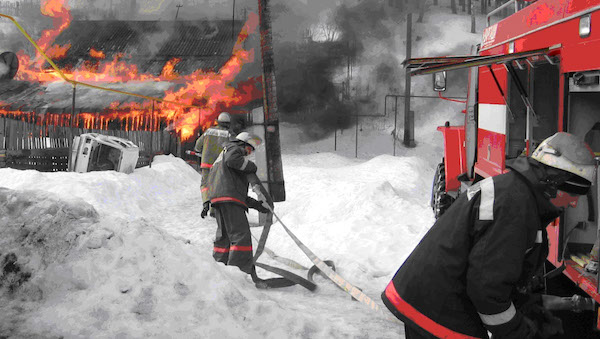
(210, 144)
(461, 279)
(227, 180)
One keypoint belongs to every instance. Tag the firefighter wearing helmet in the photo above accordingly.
(209, 145)
(228, 194)
(473, 270)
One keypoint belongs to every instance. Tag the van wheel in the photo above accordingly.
(440, 199)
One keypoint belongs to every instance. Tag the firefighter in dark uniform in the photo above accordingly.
(209, 145)
(228, 194)
(472, 270)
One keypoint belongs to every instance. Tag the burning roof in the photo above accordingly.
(201, 44)
(192, 63)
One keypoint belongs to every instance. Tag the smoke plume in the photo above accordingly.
(335, 63)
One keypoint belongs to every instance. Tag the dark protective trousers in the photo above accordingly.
(416, 333)
(233, 242)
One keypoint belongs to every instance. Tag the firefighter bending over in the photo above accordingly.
(228, 194)
(471, 272)
(210, 145)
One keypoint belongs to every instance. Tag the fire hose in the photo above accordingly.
(575, 303)
(355, 292)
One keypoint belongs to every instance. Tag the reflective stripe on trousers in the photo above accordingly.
(419, 318)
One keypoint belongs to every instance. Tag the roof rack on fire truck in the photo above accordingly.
(421, 66)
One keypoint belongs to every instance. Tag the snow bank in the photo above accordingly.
(76, 265)
(73, 273)
(167, 183)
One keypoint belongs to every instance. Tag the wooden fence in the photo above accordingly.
(25, 144)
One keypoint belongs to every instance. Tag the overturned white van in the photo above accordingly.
(98, 152)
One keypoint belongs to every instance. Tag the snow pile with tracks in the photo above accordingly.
(133, 259)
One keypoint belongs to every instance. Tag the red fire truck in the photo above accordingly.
(536, 72)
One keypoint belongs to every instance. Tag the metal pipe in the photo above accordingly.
(422, 96)
(335, 140)
(5, 141)
(408, 122)
(576, 303)
(73, 105)
(152, 135)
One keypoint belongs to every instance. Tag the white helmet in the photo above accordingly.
(250, 139)
(224, 117)
(571, 154)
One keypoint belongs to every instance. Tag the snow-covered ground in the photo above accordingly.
(112, 255)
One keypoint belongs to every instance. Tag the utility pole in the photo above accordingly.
(271, 114)
(409, 123)
(233, 22)
(178, 7)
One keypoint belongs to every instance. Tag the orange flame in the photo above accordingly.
(59, 11)
(97, 54)
(57, 52)
(168, 71)
(211, 91)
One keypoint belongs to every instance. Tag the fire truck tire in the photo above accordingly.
(440, 199)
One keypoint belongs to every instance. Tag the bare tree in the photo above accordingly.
(472, 13)
(453, 5)
(421, 6)
(328, 31)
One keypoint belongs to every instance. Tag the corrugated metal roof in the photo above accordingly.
(203, 43)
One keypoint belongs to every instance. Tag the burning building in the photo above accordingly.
(152, 82)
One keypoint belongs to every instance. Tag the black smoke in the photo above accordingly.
(315, 84)
(306, 93)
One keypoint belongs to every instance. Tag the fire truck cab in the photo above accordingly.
(536, 72)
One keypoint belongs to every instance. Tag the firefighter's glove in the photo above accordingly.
(266, 202)
(519, 327)
(257, 205)
(263, 209)
(546, 323)
(205, 208)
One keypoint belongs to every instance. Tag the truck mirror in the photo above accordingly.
(439, 81)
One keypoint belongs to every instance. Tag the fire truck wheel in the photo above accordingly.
(440, 199)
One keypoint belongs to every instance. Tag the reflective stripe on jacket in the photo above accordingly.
(227, 180)
(210, 144)
(460, 278)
